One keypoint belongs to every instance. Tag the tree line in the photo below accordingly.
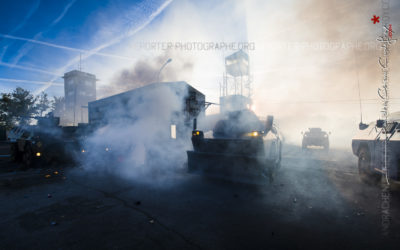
(20, 106)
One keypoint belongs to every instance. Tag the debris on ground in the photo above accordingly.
(151, 221)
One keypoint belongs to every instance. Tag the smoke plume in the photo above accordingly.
(147, 70)
(135, 140)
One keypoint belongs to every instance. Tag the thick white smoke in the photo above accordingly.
(136, 141)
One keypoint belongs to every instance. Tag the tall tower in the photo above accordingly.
(236, 87)
(79, 89)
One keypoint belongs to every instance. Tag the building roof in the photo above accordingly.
(78, 73)
(129, 93)
(237, 55)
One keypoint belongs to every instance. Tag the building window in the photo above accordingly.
(173, 131)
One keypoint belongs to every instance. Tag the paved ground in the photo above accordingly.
(315, 202)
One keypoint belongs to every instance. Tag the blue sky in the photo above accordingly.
(42, 39)
(70, 23)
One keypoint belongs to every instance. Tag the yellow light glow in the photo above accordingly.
(197, 133)
(253, 134)
(38, 154)
(83, 151)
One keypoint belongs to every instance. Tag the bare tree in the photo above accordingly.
(58, 106)
(43, 104)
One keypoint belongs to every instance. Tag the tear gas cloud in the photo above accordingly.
(137, 135)
(146, 71)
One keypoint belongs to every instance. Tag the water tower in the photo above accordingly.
(235, 91)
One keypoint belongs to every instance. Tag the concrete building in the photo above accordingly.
(172, 105)
(79, 90)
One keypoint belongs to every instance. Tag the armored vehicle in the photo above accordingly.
(242, 148)
(368, 145)
(46, 141)
(315, 137)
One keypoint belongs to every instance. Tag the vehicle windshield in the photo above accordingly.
(236, 124)
(316, 132)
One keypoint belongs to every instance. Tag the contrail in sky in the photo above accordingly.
(30, 13)
(64, 47)
(58, 19)
(28, 81)
(29, 69)
(108, 44)
(27, 47)
(26, 18)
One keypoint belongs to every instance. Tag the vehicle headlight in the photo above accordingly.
(196, 133)
(38, 154)
(253, 134)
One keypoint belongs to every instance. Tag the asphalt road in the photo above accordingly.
(314, 202)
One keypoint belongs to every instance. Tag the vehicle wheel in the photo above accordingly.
(15, 154)
(276, 153)
(326, 147)
(270, 173)
(304, 143)
(27, 157)
(278, 164)
(364, 170)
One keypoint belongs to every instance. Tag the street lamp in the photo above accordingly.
(165, 64)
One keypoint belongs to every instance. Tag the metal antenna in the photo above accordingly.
(358, 84)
